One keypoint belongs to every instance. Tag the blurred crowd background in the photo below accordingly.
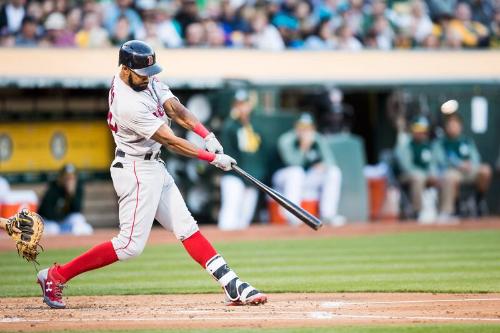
(351, 136)
(258, 24)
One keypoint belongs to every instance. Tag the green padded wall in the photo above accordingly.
(350, 155)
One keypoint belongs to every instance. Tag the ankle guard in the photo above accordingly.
(234, 288)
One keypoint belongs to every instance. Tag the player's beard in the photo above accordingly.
(136, 87)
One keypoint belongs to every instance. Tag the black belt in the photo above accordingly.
(147, 156)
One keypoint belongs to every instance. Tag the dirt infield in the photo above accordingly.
(283, 310)
(261, 232)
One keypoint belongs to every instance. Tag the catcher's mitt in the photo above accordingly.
(27, 240)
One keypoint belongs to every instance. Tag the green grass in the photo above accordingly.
(358, 329)
(421, 262)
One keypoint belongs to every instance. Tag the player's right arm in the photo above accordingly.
(167, 137)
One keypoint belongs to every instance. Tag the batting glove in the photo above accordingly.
(212, 144)
(224, 162)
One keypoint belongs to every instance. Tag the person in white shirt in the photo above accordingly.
(11, 16)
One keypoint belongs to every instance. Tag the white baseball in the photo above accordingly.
(449, 107)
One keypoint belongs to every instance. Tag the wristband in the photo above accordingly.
(205, 155)
(201, 130)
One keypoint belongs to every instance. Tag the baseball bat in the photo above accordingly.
(309, 219)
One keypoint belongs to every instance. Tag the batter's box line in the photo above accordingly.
(307, 315)
(341, 303)
(328, 315)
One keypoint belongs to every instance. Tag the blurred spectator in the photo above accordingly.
(353, 16)
(338, 116)
(11, 16)
(168, 29)
(346, 40)
(62, 204)
(458, 156)
(48, 7)
(431, 42)
(187, 15)
(7, 41)
(377, 16)
(27, 37)
(310, 171)
(418, 166)
(233, 23)
(74, 19)
(214, 33)
(472, 33)
(151, 34)
(322, 39)
(438, 8)
(448, 36)
(35, 11)
(92, 6)
(121, 32)
(384, 33)
(266, 25)
(288, 28)
(57, 33)
(482, 10)
(265, 36)
(114, 15)
(244, 144)
(92, 34)
(303, 13)
(495, 31)
(419, 22)
(195, 35)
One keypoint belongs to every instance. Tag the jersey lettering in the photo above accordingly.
(159, 111)
(111, 93)
(111, 124)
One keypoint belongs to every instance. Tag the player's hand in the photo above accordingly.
(224, 162)
(10, 226)
(212, 144)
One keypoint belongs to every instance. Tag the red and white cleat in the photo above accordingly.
(52, 287)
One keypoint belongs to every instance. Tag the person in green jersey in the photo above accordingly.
(460, 159)
(418, 164)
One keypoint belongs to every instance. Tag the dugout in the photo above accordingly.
(43, 92)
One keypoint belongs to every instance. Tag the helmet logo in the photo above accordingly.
(150, 60)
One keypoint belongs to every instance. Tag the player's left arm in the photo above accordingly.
(181, 115)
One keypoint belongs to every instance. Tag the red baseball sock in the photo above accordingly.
(99, 256)
(199, 248)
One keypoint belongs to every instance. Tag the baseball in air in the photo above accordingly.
(449, 107)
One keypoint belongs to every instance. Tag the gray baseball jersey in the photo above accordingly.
(145, 189)
(135, 116)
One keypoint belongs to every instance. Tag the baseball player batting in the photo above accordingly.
(138, 108)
